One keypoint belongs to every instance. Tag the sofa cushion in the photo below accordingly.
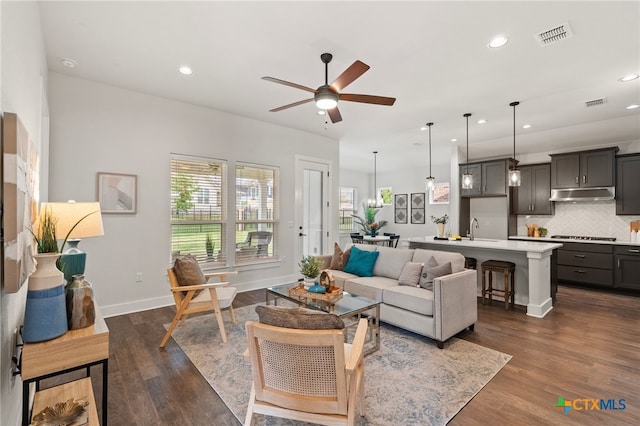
(370, 287)
(340, 258)
(361, 262)
(442, 257)
(414, 299)
(300, 318)
(391, 261)
(340, 277)
(429, 273)
(410, 274)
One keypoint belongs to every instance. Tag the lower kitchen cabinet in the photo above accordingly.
(585, 263)
(627, 267)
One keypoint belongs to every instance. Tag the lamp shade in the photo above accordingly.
(86, 217)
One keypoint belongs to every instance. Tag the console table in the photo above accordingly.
(74, 350)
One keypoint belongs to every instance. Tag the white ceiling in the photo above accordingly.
(431, 56)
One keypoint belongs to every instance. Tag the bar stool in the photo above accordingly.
(470, 263)
(508, 270)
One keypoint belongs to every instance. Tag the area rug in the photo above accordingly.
(409, 381)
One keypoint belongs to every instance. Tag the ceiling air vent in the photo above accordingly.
(595, 102)
(554, 35)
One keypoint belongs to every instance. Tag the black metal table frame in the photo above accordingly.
(26, 407)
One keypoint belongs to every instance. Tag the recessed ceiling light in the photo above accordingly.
(454, 140)
(628, 78)
(185, 70)
(321, 112)
(498, 41)
(633, 106)
(423, 128)
(482, 121)
(526, 126)
(68, 62)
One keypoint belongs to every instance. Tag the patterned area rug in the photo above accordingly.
(409, 381)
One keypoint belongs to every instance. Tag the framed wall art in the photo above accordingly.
(440, 194)
(401, 208)
(417, 207)
(117, 193)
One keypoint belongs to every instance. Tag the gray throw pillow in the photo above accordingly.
(429, 273)
(410, 274)
(300, 318)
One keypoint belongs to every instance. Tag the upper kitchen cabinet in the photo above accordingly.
(489, 178)
(587, 169)
(628, 184)
(534, 190)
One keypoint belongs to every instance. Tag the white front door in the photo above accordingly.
(312, 189)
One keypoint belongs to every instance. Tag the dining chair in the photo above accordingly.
(357, 238)
(307, 375)
(189, 299)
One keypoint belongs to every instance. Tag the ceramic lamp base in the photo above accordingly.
(45, 316)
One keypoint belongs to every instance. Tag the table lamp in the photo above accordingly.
(75, 221)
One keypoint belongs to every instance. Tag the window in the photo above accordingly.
(198, 208)
(347, 207)
(256, 213)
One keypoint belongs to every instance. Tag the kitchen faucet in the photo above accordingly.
(477, 226)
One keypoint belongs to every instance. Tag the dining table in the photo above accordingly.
(378, 239)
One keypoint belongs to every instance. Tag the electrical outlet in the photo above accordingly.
(139, 277)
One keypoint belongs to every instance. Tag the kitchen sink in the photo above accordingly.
(484, 240)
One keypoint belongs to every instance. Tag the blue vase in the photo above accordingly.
(317, 288)
(374, 232)
(45, 316)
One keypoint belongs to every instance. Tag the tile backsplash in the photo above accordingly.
(589, 218)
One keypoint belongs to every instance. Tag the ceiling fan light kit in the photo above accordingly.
(514, 173)
(431, 181)
(326, 97)
(467, 178)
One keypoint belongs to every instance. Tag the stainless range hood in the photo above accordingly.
(584, 194)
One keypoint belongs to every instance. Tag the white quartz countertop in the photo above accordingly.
(483, 243)
(570, 240)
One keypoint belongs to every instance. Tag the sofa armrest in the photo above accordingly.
(326, 260)
(455, 303)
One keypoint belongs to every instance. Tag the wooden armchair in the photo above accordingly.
(201, 298)
(307, 375)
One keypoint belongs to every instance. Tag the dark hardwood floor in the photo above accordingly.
(587, 347)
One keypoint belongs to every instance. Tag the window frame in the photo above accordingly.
(342, 212)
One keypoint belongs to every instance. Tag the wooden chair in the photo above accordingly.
(212, 297)
(393, 240)
(307, 375)
(357, 238)
(258, 239)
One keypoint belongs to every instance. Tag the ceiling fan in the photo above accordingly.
(327, 96)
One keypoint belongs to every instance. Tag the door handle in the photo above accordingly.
(302, 235)
(577, 179)
(584, 179)
(633, 251)
(618, 263)
(580, 271)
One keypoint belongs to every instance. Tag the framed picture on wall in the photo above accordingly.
(117, 193)
(440, 194)
(401, 208)
(417, 200)
(417, 216)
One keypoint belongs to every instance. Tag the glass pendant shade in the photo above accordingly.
(431, 181)
(375, 202)
(467, 178)
(514, 177)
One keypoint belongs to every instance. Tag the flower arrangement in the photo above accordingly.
(310, 266)
(443, 220)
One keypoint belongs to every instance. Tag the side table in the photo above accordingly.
(74, 350)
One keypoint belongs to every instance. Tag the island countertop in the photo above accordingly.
(484, 243)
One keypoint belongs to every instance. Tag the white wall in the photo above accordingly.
(95, 127)
(23, 82)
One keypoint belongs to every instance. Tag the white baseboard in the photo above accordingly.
(159, 302)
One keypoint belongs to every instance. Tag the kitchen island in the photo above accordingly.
(532, 260)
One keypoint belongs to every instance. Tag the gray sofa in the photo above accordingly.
(439, 314)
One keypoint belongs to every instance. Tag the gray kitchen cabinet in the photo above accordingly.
(489, 178)
(534, 190)
(586, 169)
(627, 267)
(586, 263)
(628, 184)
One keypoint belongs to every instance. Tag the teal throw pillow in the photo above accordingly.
(361, 262)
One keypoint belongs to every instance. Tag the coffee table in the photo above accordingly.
(349, 307)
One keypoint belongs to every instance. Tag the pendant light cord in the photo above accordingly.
(429, 125)
(375, 178)
(514, 104)
(467, 115)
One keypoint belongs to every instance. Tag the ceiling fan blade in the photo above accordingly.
(334, 114)
(290, 105)
(288, 83)
(349, 75)
(367, 99)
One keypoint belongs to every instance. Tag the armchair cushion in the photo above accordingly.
(300, 318)
(188, 271)
(340, 258)
(361, 262)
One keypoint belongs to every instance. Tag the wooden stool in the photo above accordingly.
(508, 269)
(470, 263)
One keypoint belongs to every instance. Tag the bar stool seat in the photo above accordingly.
(508, 271)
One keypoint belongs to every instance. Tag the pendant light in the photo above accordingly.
(514, 173)
(467, 178)
(375, 202)
(430, 180)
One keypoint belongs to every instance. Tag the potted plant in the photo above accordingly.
(542, 231)
(310, 268)
(368, 223)
(441, 222)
